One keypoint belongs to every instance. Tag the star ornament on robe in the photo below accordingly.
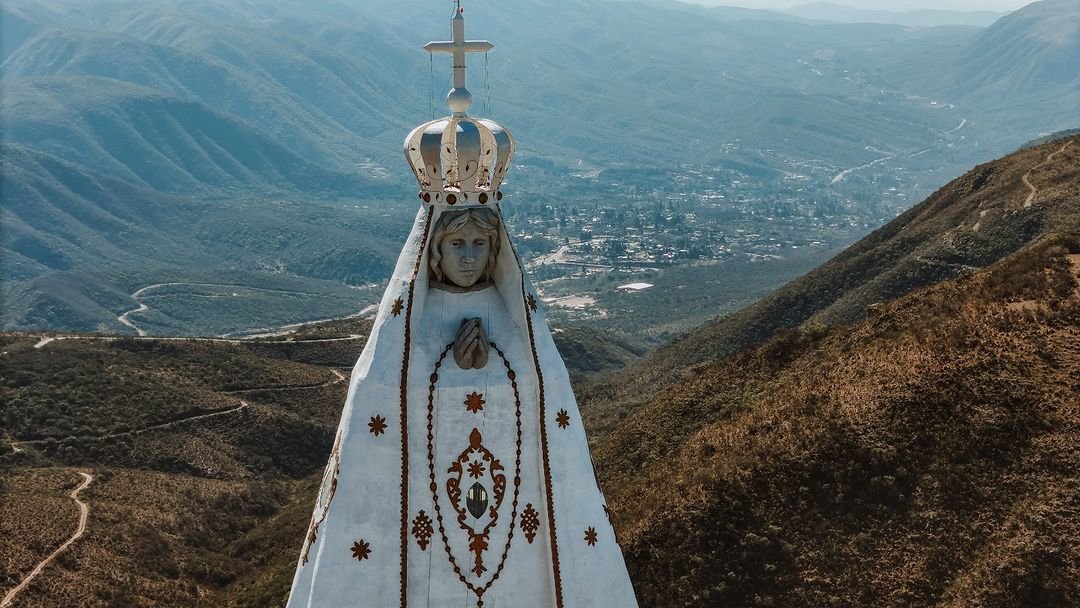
(563, 419)
(476, 470)
(361, 550)
(474, 402)
(590, 536)
(377, 425)
(396, 308)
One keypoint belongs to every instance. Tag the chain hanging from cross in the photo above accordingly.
(459, 99)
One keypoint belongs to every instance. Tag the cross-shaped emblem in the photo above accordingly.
(459, 98)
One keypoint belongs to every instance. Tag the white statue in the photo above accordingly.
(460, 475)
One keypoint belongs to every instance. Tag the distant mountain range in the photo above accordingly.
(829, 11)
(135, 133)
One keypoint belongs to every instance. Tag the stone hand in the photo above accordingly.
(471, 345)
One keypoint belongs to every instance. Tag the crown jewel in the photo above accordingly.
(459, 157)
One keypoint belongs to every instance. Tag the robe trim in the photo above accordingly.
(405, 415)
(525, 296)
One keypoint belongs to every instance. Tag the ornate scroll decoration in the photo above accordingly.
(404, 416)
(590, 536)
(422, 530)
(475, 502)
(478, 498)
(322, 502)
(530, 522)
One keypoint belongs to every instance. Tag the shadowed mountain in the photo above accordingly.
(1024, 65)
(235, 104)
(152, 139)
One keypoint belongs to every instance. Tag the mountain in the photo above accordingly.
(1024, 60)
(922, 454)
(828, 11)
(201, 118)
(205, 454)
(970, 223)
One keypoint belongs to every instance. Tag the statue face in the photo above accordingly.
(465, 253)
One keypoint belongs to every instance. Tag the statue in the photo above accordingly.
(464, 251)
(460, 474)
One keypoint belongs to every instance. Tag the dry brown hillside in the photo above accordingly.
(924, 456)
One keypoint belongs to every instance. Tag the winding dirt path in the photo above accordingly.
(16, 445)
(839, 177)
(125, 317)
(84, 513)
(1027, 176)
(44, 341)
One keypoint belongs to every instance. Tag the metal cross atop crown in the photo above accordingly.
(459, 99)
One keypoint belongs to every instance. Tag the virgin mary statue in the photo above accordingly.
(460, 474)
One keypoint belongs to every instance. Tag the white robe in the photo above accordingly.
(407, 461)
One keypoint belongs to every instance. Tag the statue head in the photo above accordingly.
(464, 247)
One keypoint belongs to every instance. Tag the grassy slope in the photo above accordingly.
(924, 456)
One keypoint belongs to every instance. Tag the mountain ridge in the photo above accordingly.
(946, 235)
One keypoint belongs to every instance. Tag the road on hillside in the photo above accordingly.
(49, 339)
(84, 513)
(1027, 176)
(125, 318)
(16, 446)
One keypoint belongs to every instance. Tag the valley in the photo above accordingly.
(140, 151)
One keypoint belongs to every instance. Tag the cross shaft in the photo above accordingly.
(459, 97)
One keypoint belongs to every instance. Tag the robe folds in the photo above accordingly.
(450, 487)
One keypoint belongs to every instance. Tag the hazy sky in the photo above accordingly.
(892, 5)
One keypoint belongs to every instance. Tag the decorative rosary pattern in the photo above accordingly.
(476, 498)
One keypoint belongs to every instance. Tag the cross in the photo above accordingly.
(459, 98)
